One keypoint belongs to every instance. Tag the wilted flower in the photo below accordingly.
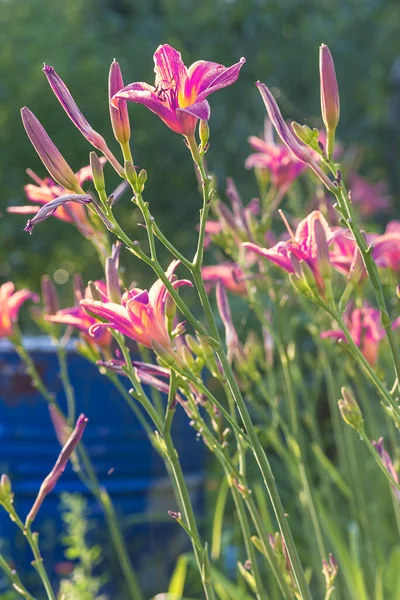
(297, 147)
(141, 314)
(276, 159)
(179, 95)
(10, 303)
(231, 336)
(370, 198)
(58, 469)
(388, 464)
(69, 105)
(78, 318)
(47, 190)
(230, 274)
(309, 244)
(365, 328)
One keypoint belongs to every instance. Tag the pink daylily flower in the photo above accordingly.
(277, 159)
(179, 94)
(345, 256)
(46, 190)
(370, 198)
(309, 244)
(78, 318)
(365, 328)
(386, 247)
(141, 314)
(10, 303)
(230, 274)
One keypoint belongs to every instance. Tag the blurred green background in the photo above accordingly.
(280, 40)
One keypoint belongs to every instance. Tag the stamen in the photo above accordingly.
(286, 222)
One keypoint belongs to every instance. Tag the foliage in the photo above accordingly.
(279, 40)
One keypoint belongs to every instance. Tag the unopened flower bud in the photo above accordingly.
(118, 115)
(187, 357)
(141, 179)
(49, 295)
(6, 494)
(131, 175)
(350, 410)
(308, 276)
(329, 570)
(330, 103)
(97, 173)
(204, 133)
(49, 154)
(193, 344)
(306, 134)
(398, 290)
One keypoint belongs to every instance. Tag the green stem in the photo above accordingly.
(346, 210)
(93, 484)
(37, 381)
(33, 542)
(14, 578)
(256, 446)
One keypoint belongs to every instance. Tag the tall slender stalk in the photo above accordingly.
(256, 446)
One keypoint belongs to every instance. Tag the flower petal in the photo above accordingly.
(201, 110)
(169, 68)
(209, 80)
(143, 93)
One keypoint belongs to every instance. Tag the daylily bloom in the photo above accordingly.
(370, 198)
(230, 274)
(309, 244)
(386, 247)
(365, 328)
(345, 256)
(10, 303)
(78, 318)
(141, 316)
(46, 190)
(274, 158)
(179, 94)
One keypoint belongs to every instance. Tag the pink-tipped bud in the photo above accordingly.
(97, 173)
(119, 116)
(49, 295)
(330, 102)
(58, 469)
(69, 105)
(48, 153)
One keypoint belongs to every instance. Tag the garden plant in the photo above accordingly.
(282, 350)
